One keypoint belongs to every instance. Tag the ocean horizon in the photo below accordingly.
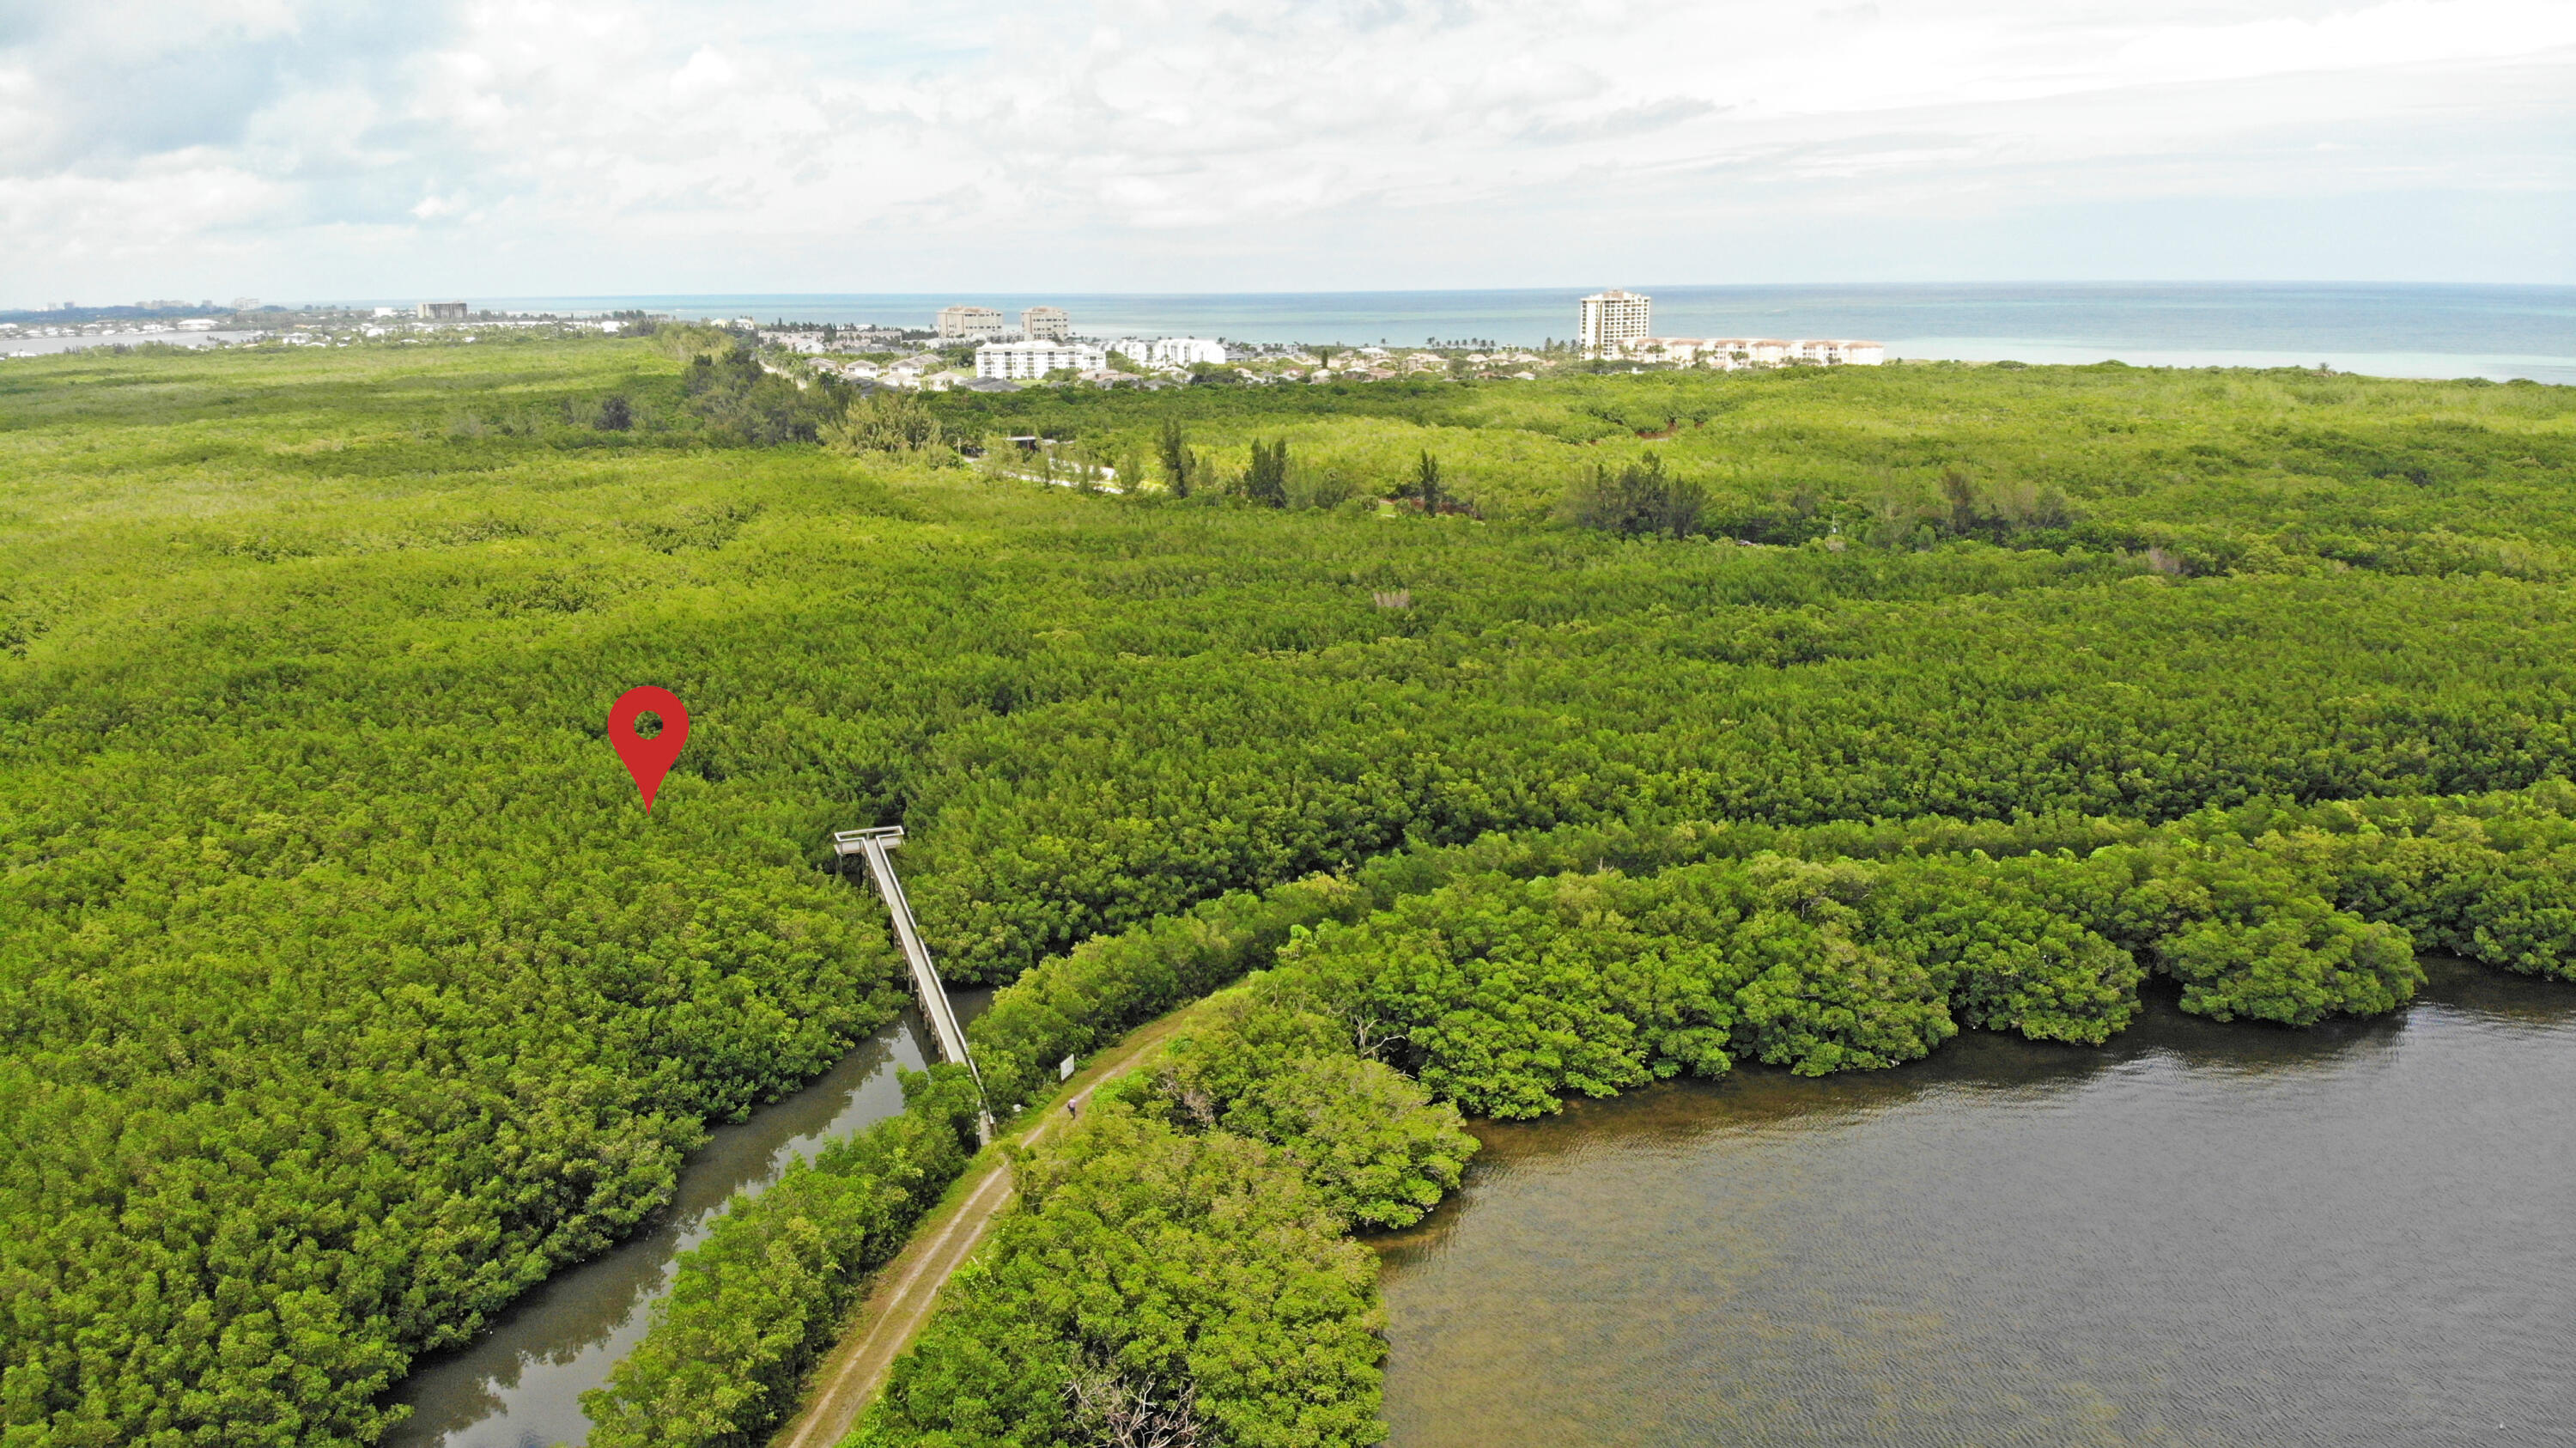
(2501, 332)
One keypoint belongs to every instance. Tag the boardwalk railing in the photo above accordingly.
(873, 846)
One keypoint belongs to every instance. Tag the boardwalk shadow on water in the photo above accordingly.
(2199, 1234)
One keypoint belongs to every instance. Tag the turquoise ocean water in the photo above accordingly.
(2499, 332)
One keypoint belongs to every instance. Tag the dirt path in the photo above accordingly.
(906, 1287)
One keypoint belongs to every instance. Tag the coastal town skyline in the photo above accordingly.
(2497, 332)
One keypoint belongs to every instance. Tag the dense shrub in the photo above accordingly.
(743, 402)
(345, 991)
(1191, 1279)
(1638, 500)
(1069, 1004)
(1368, 1138)
(1493, 980)
(1503, 994)
(755, 1304)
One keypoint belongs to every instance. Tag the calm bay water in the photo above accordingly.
(2201, 1235)
(519, 1385)
(2499, 332)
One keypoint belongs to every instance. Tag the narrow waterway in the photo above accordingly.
(2202, 1234)
(519, 1385)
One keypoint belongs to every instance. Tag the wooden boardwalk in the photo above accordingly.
(873, 846)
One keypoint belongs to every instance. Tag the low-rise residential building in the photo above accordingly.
(1180, 352)
(1186, 352)
(1680, 351)
(1838, 353)
(1036, 357)
(968, 323)
(1724, 353)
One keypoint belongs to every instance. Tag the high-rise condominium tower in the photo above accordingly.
(1613, 319)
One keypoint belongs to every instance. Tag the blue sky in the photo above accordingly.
(292, 150)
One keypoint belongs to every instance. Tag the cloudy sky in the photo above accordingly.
(301, 150)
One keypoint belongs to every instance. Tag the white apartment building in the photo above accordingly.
(968, 322)
(1727, 353)
(442, 311)
(1035, 357)
(1170, 351)
(1186, 352)
(1051, 323)
(1612, 319)
(1834, 353)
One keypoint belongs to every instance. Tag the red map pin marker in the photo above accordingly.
(648, 759)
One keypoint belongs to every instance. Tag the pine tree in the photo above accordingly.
(1426, 483)
(1178, 460)
(1267, 482)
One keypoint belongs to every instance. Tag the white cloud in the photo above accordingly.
(632, 145)
(706, 75)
